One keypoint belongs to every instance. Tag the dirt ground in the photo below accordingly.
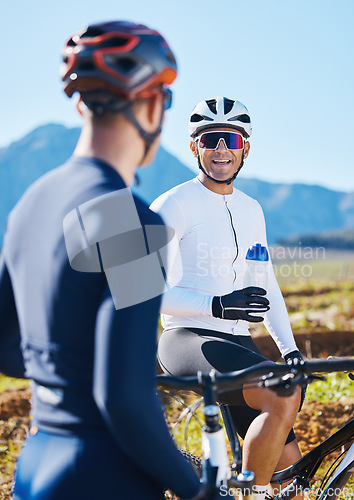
(14, 423)
(315, 422)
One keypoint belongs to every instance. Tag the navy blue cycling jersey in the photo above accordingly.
(92, 365)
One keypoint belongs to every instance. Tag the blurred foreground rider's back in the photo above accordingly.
(80, 286)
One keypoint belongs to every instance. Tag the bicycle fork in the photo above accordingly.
(216, 462)
(216, 468)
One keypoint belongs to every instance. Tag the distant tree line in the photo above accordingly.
(339, 240)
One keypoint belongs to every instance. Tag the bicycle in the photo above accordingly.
(214, 466)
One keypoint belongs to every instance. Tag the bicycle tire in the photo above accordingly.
(195, 462)
(335, 485)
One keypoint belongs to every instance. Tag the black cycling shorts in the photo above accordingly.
(185, 351)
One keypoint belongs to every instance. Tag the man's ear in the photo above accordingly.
(194, 148)
(148, 112)
(247, 149)
(154, 110)
(80, 106)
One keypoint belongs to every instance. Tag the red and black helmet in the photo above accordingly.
(120, 57)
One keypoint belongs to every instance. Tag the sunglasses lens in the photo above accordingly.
(210, 140)
(235, 141)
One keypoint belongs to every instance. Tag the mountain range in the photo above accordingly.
(290, 209)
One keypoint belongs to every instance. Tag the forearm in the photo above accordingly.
(124, 389)
(142, 432)
(277, 320)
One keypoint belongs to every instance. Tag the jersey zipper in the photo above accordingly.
(235, 237)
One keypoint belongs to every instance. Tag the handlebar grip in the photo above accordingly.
(329, 365)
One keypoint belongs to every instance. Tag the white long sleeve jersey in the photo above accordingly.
(207, 257)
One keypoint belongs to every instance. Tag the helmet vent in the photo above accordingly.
(85, 66)
(240, 118)
(212, 105)
(92, 32)
(114, 41)
(196, 118)
(126, 64)
(228, 105)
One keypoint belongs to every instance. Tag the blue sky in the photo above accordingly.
(290, 62)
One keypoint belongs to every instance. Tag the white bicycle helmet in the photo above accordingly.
(220, 112)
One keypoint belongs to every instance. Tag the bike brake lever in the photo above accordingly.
(285, 385)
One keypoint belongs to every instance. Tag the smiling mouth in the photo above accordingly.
(221, 163)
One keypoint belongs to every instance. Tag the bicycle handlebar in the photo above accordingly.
(239, 377)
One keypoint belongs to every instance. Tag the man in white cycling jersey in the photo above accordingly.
(208, 306)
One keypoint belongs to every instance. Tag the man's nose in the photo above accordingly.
(221, 145)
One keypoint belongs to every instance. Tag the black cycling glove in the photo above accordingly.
(293, 358)
(241, 304)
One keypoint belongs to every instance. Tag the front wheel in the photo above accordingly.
(195, 462)
(335, 485)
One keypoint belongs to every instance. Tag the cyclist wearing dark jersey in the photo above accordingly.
(70, 292)
(207, 310)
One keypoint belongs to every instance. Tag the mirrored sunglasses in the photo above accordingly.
(211, 140)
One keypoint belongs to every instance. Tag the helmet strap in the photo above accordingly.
(148, 137)
(227, 181)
